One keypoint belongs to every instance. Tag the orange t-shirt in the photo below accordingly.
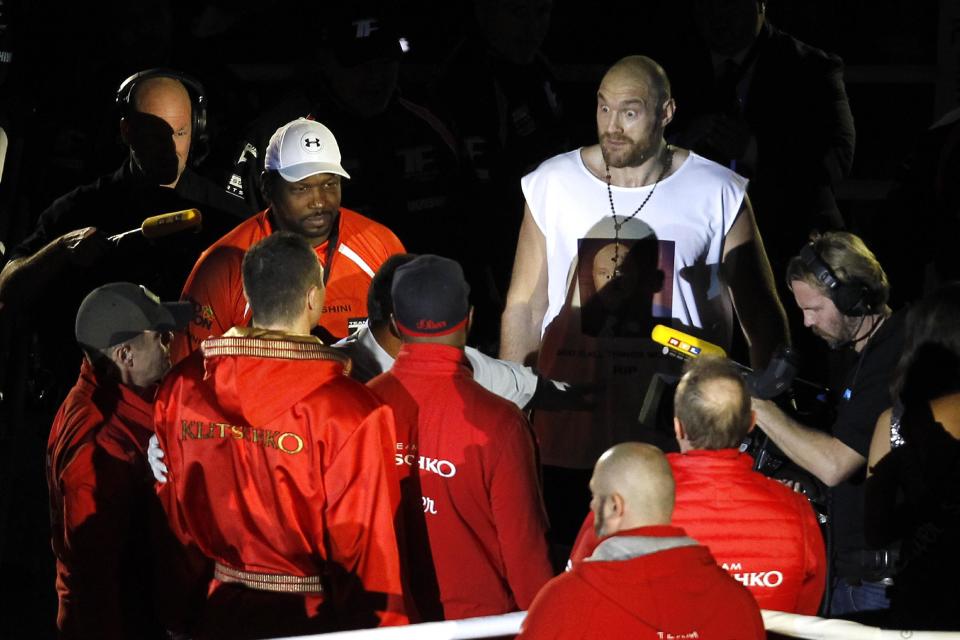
(215, 286)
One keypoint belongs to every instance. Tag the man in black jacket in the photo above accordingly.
(774, 110)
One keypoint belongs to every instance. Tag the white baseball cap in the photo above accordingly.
(301, 149)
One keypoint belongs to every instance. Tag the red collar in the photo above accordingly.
(431, 357)
(720, 454)
(129, 406)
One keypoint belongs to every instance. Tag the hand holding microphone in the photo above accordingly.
(83, 246)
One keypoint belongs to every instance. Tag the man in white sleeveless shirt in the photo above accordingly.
(616, 238)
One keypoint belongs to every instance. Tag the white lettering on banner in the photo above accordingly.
(443, 468)
(769, 579)
(666, 635)
(429, 506)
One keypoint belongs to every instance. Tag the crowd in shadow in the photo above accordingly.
(439, 111)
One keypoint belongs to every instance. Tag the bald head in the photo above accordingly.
(643, 72)
(159, 127)
(632, 486)
(152, 95)
(712, 406)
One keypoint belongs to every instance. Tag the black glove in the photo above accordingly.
(562, 396)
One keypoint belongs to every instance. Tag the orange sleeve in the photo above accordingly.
(215, 288)
(393, 244)
(378, 242)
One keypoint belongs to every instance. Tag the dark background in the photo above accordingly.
(56, 100)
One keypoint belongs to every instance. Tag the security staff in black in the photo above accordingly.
(68, 254)
(842, 292)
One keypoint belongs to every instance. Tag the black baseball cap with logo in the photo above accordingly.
(430, 296)
(120, 311)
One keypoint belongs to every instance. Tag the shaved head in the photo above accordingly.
(643, 71)
(159, 128)
(153, 94)
(632, 486)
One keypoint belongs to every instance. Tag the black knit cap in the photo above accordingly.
(119, 311)
(430, 297)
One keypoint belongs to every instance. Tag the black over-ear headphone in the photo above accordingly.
(198, 105)
(853, 298)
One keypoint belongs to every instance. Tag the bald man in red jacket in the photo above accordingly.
(764, 534)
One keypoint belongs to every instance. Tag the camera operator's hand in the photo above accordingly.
(767, 411)
(794, 485)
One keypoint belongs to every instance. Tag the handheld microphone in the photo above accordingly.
(684, 345)
(165, 224)
(779, 375)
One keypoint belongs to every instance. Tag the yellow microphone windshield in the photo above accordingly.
(167, 223)
(684, 343)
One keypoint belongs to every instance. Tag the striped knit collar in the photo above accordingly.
(263, 343)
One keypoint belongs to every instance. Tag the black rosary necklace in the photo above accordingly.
(617, 224)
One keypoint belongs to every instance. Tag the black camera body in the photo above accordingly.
(773, 382)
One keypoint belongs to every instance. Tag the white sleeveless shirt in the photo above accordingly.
(597, 326)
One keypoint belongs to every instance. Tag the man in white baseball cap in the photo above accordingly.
(303, 148)
(301, 184)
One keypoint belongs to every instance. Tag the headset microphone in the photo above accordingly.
(852, 297)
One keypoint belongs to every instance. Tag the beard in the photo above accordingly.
(845, 334)
(600, 528)
(632, 154)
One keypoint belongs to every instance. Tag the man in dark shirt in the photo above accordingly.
(68, 254)
(773, 109)
(842, 292)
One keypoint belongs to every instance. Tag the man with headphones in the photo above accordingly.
(162, 122)
(842, 292)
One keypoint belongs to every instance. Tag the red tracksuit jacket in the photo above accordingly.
(474, 523)
(764, 534)
(641, 592)
(109, 534)
(215, 286)
(277, 465)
